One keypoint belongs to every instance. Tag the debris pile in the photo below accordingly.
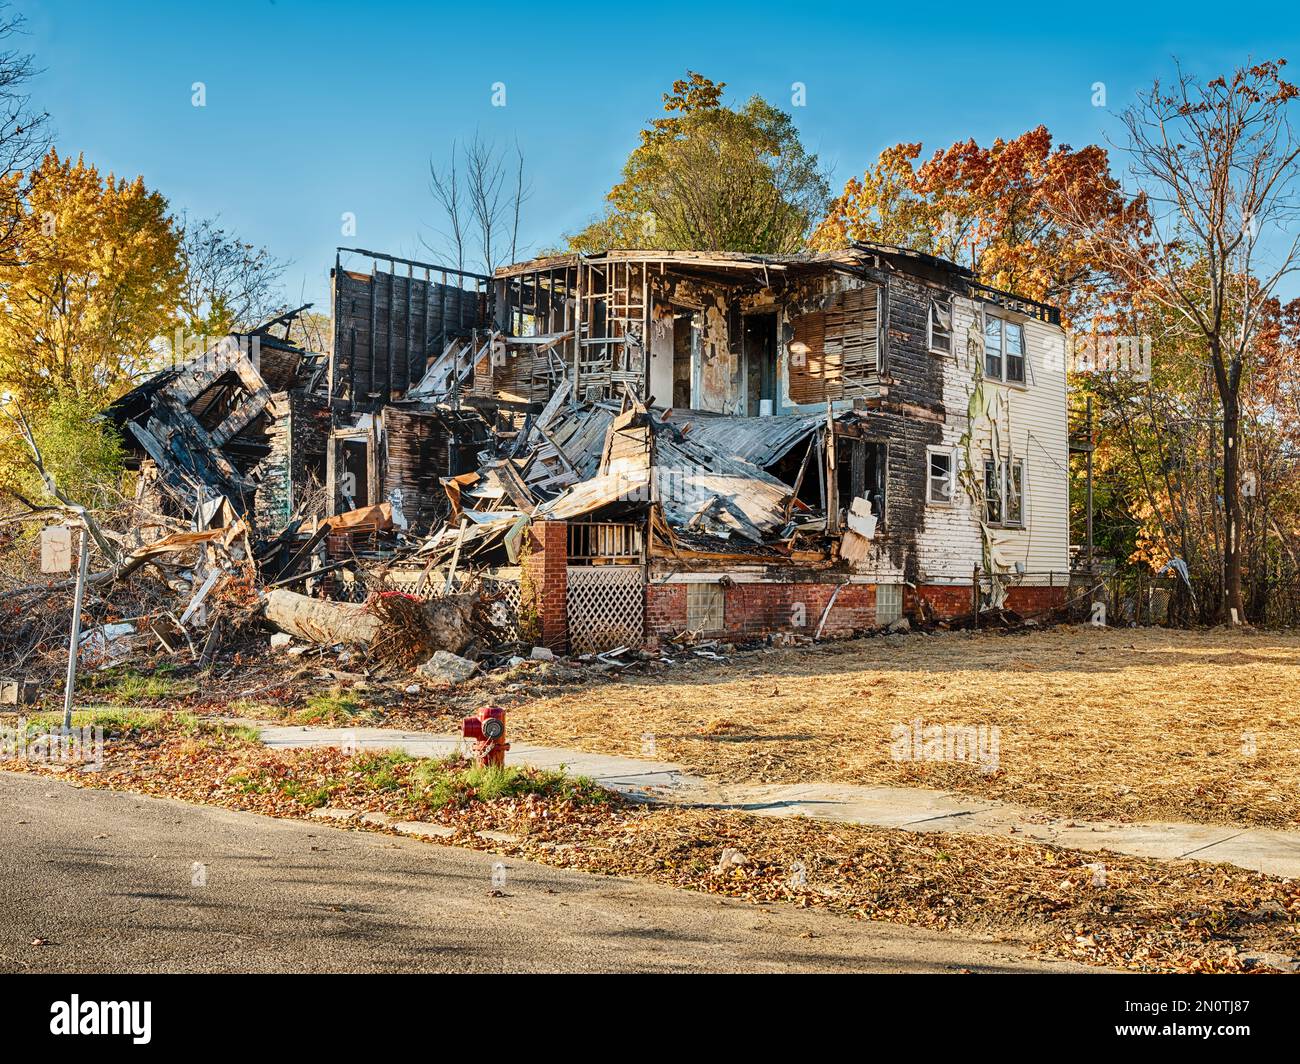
(388, 502)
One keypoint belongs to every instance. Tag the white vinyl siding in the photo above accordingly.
(1031, 427)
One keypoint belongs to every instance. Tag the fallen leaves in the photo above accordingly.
(1181, 916)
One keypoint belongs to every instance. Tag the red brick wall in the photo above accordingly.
(547, 585)
(665, 608)
(944, 600)
(758, 608)
(1025, 600)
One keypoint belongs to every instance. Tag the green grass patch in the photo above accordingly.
(120, 722)
(127, 685)
(451, 782)
(381, 769)
(242, 707)
(333, 709)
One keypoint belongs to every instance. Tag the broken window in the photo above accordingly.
(940, 339)
(704, 607)
(1015, 480)
(860, 473)
(993, 491)
(1004, 482)
(943, 470)
(889, 603)
(834, 353)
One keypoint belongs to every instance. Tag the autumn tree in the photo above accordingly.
(713, 177)
(1219, 164)
(992, 209)
(97, 281)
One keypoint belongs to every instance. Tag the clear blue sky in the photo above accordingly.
(314, 109)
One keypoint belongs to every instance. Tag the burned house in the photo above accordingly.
(641, 444)
(659, 442)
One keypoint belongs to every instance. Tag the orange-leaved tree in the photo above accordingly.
(993, 209)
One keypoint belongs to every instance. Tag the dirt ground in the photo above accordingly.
(1135, 724)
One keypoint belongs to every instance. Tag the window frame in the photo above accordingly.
(993, 465)
(951, 454)
(1004, 469)
(1004, 356)
(1023, 357)
(891, 616)
(717, 595)
(930, 325)
(1014, 469)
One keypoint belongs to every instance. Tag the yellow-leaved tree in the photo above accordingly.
(94, 282)
(91, 284)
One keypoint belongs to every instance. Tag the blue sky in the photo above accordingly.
(316, 109)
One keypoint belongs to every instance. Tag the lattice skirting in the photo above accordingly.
(606, 607)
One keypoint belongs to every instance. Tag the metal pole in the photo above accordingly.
(1089, 462)
(74, 644)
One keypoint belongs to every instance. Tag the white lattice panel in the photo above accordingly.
(606, 605)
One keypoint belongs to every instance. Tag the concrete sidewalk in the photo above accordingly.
(1276, 852)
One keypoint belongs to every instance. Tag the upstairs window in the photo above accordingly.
(1004, 350)
(940, 331)
(1013, 335)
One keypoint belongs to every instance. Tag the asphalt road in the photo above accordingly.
(105, 881)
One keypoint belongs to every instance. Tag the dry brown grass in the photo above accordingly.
(1140, 724)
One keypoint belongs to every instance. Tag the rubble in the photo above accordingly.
(448, 668)
(388, 501)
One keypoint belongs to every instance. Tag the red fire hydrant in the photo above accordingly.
(487, 728)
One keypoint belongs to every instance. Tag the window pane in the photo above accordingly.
(889, 603)
(1015, 336)
(940, 477)
(1015, 498)
(993, 348)
(940, 325)
(992, 493)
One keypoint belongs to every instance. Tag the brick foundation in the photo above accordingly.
(753, 609)
(545, 587)
(758, 608)
(1027, 600)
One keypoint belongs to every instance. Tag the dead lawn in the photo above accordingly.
(1137, 724)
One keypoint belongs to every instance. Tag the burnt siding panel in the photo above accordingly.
(403, 338)
(915, 376)
(911, 420)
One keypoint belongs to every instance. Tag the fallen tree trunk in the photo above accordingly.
(321, 621)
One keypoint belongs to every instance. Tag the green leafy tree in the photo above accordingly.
(79, 448)
(711, 177)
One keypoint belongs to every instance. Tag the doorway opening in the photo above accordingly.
(760, 363)
(685, 330)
